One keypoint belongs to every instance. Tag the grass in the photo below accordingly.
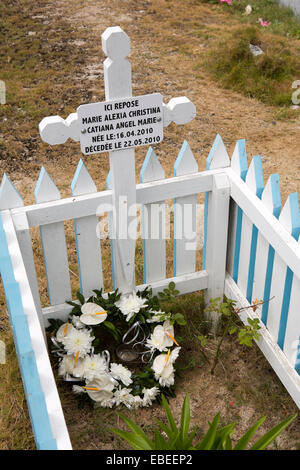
(283, 20)
(268, 77)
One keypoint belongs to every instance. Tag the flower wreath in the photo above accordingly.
(144, 330)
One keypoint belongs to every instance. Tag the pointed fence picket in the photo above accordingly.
(239, 165)
(54, 245)
(153, 224)
(265, 252)
(282, 282)
(87, 242)
(217, 158)
(185, 217)
(249, 233)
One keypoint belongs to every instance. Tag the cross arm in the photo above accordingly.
(55, 130)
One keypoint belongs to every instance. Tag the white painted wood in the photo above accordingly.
(25, 246)
(277, 359)
(254, 181)
(280, 270)
(292, 336)
(218, 156)
(55, 130)
(185, 284)
(54, 245)
(277, 235)
(185, 217)
(217, 229)
(153, 224)
(56, 417)
(240, 166)
(147, 193)
(2, 92)
(179, 110)
(9, 196)
(270, 200)
(117, 78)
(87, 242)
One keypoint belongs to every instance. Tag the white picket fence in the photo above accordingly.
(250, 250)
(262, 255)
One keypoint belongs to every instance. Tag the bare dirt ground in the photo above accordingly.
(169, 40)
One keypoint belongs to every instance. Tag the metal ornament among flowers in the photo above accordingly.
(145, 335)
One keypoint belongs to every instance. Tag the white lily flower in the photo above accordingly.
(163, 367)
(100, 389)
(162, 337)
(131, 304)
(63, 331)
(120, 372)
(92, 314)
(94, 366)
(77, 323)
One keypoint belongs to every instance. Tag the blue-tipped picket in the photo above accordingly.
(86, 236)
(27, 361)
(239, 165)
(265, 252)
(54, 245)
(217, 158)
(153, 224)
(281, 285)
(185, 217)
(249, 233)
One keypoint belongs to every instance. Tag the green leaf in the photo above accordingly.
(139, 435)
(165, 428)
(169, 414)
(136, 442)
(80, 298)
(185, 418)
(269, 437)
(209, 438)
(242, 443)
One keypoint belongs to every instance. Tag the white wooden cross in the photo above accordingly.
(118, 85)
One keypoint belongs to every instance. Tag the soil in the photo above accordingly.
(166, 50)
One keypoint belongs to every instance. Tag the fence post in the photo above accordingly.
(216, 239)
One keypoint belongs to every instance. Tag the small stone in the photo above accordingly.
(255, 50)
(295, 106)
(31, 33)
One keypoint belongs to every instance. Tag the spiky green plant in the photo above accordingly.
(173, 437)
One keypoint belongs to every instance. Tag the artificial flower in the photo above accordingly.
(92, 314)
(263, 23)
(123, 395)
(78, 342)
(77, 389)
(163, 367)
(229, 2)
(162, 337)
(94, 366)
(248, 10)
(131, 304)
(100, 389)
(63, 331)
(150, 395)
(120, 372)
(158, 316)
(69, 365)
